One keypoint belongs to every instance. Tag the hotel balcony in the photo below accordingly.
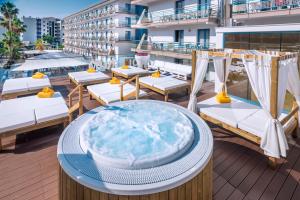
(265, 8)
(187, 16)
(172, 49)
(142, 2)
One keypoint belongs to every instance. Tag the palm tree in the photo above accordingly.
(14, 27)
(9, 12)
(39, 45)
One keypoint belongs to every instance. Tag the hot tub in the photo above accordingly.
(136, 149)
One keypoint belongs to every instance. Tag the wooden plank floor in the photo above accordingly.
(29, 169)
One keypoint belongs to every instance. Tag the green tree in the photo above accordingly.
(15, 27)
(48, 39)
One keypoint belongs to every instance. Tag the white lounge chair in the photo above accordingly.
(129, 73)
(240, 116)
(85, 78)
(179, 70)
(30, 113)
(13, 88)
(107, 93)
(164, 85)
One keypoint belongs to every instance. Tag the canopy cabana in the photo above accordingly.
(270, 74)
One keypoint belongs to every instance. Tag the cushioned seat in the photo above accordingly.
(111, 92)
(30, 110)
(255, 123)
(229, 113)
(17, 85)
(170, 84)
(132, 71)
(18, 119)
(48, 113)
(84, 76)
(149, 80)
(36, 84)
(14, 85)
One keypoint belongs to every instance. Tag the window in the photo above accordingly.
(179, 36)
(179, 6)
(128, 21)
(127, 35)
(203, 38)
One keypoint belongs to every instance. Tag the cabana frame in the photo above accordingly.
(236, 53)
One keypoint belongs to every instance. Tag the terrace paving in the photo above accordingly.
(29, 169)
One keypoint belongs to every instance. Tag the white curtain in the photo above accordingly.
(221, 76)
(294, 81)
(273, 140)
(142, 61)
(201, 68)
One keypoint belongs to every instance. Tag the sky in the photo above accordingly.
(51, 8)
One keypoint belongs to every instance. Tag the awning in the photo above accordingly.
(51, 60)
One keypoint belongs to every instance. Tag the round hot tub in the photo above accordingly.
(136, 149)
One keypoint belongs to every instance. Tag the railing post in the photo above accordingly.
(121, 93)
(80, 100)
(194, 63)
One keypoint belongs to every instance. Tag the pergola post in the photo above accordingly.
(194, 63)
(274, 98)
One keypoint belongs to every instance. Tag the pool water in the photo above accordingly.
(137, 135)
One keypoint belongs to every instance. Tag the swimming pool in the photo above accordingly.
(136, 148)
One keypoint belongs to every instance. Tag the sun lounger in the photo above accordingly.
(85, 78)
(240, 117)
(30, 113)
(179, 70)
(164, 85)
(107, 93)
(13, 88)
(129, 73)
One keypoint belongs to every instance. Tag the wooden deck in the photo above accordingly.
(29, 170)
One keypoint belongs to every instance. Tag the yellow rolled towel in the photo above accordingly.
(222, 97)
(91, 70)
(38, 75)
(115, 80)
(46, 93)
(125, 67)
(156, 74)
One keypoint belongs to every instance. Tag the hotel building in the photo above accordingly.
(103, 31)
(262, 25)
(37, 27)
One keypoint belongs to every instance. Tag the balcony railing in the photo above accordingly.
(242, 6)
(176, 47)
(192, 12)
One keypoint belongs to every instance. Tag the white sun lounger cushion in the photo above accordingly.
(171, 84)
(56, 99)
(14, 85)
(35, 84)
(149, 80)
(111, 92)
(131, 71)
(24, 84)
(84, 76)
(16, 120)
(229, 113)
(256, 122)
(48, 113)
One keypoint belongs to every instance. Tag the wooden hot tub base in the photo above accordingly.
(199, 188)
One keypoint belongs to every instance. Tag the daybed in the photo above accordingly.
(13, 88)
(164, 85)
(85, 78)
(30, 113)
(179, 70)
(130, 72)
(107, 93)
(270, 74)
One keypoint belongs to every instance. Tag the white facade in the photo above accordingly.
(102, 31)
(37, 27)
(30, 36)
